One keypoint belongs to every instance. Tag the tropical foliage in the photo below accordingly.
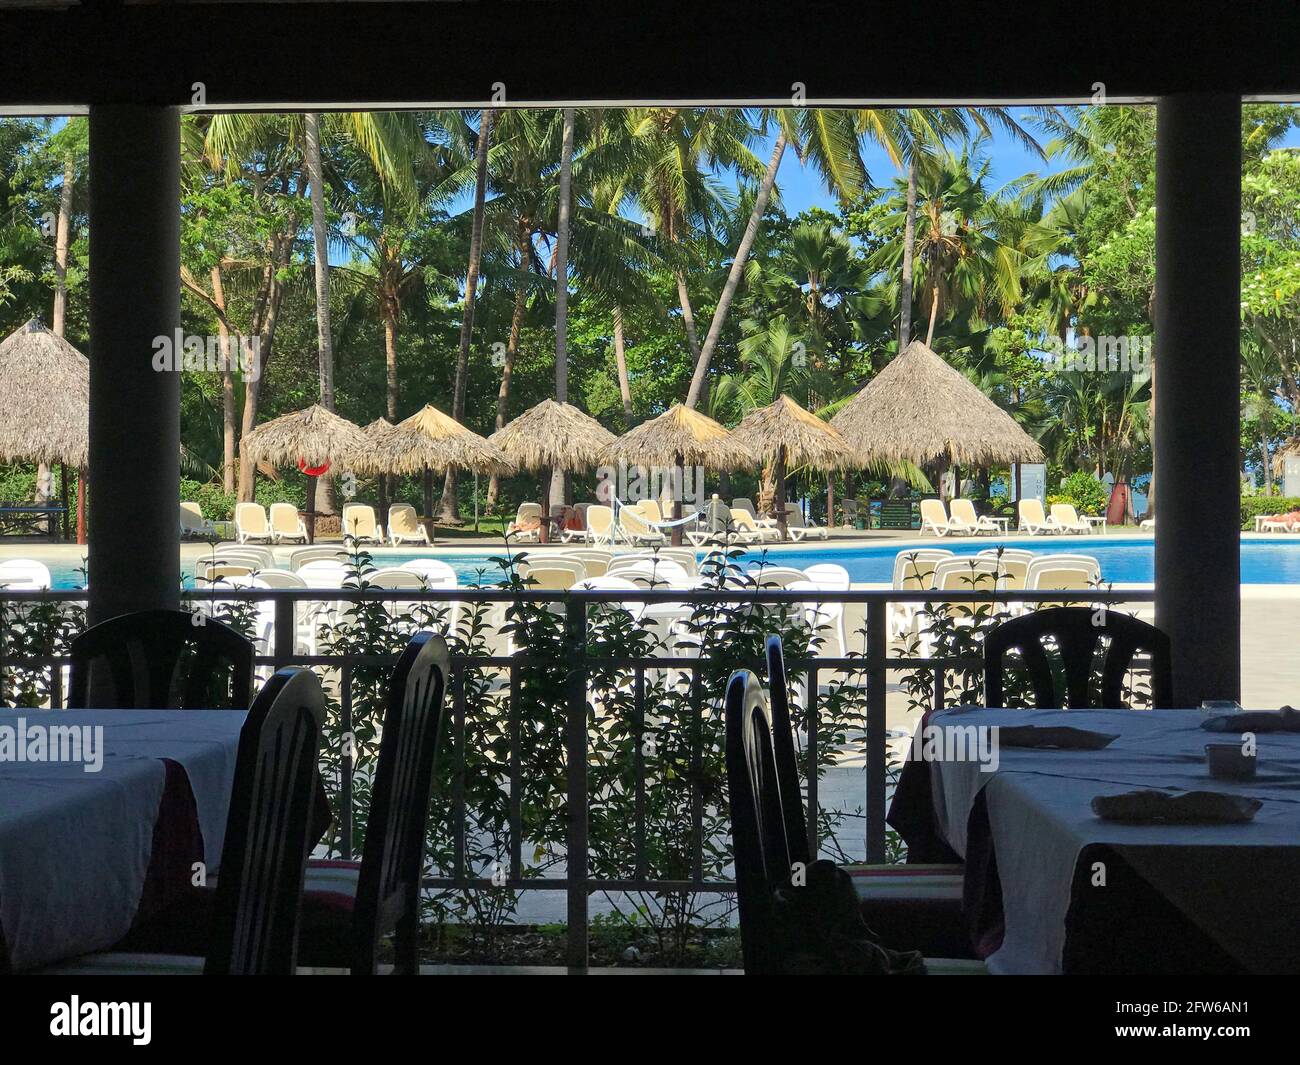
(636, 258)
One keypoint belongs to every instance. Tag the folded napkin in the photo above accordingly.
(1285, 720)
(1189, 808)
(1062, 737)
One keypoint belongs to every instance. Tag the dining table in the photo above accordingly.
(101, 834)
(1050, 886)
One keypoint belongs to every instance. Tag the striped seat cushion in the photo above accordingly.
(920, 882)
(327, 876)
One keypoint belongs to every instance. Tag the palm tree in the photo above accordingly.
(390, 139)
(830, 139)
(968, 240)
(562, 285)
(448, 513)
(681, 149)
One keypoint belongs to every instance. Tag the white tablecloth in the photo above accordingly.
(1040, 819)
(75, 846)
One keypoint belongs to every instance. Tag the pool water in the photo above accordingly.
(1123, 560)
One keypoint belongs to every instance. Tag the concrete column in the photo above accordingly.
(134, 409)
(1197, 388)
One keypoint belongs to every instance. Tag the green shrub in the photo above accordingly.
(290, 489)
(18, 483)
(1253, 506)
(1081, 488)
(216, 504)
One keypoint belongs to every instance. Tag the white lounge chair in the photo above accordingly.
(934, 516)
(800, 527)
(746, 528)
(286, 526)
(522, 528)
(1067, 519)
(193, 523)
(600, 525)
(252, 525)
(360, 523)
(404, 526)
(964, 517)
(1033, 520)
(713, 523)
(637, 528)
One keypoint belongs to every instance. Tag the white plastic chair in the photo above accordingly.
(25, 575)
(251, 523)
(436, 574)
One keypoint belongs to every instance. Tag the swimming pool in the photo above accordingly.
(1124, 560)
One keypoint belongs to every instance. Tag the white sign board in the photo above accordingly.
(1033, 481)
(1291, 476)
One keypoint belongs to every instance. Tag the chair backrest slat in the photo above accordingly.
(762, 852)
(255, 916)
(388, 888)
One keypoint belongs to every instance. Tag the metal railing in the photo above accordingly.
(874, 663)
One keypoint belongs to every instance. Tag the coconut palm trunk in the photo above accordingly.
(227, 386)
(449, 511)
(512, 348)
(620, 360)
(62, 239)
(562, 285)
(909, 245)
(324, 501)
(736, 272)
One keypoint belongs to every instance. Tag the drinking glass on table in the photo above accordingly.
(1220, 706)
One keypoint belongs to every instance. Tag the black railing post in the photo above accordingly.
(575, 625)
(286, 630)
(877, 652)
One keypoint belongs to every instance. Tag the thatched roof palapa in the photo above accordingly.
(44, 399)
(786, 428)
(920, 409)
(681, 435)
(554, 435)
(314, 435)
(430, 440)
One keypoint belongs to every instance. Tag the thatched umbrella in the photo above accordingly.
(553, 436)
(785, 433)
(312, 439)
(681, 436)
(921, 410)
(45, 406)
(431, 440)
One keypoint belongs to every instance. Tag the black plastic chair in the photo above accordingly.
(761, 849)
(387, 881)
(161, 659)
(1076, 631)
(911, 907)
(255, 907)
(268, 831)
